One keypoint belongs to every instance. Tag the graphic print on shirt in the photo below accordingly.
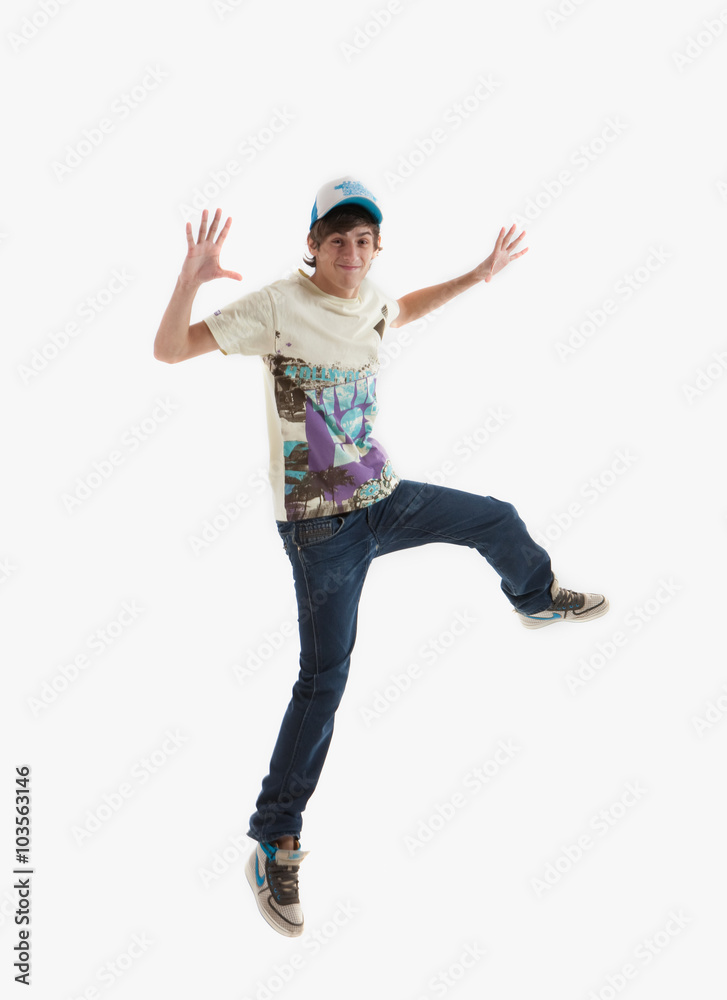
(327, 413)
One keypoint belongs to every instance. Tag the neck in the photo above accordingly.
(327, 286)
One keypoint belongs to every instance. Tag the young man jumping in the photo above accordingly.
(338, 501)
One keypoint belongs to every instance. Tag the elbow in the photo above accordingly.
(161, 355)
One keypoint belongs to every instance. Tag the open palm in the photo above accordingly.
(501, 255)
(202, 262)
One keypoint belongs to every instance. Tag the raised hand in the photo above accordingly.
(501, 255)
(202, 261)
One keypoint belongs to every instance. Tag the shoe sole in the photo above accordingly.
(287, 930)
(541, 623)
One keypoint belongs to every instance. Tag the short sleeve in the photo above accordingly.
(245, 326)
(393, 310)
(392, 306)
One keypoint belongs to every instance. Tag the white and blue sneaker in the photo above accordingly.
(273, 877)
(565, 606)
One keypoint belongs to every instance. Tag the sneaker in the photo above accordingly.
(273, 877)
(566, 606)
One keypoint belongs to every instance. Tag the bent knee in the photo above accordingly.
(505, 509)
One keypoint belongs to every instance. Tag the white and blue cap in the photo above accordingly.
(343, 191)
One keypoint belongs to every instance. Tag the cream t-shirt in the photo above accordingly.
(320, 356)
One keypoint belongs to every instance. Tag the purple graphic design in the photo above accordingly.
(338, 421)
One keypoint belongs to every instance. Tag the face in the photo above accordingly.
(343, 261)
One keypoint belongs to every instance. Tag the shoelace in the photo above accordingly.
(284, 883)
(568, 599)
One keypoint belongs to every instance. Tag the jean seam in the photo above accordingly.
(437, 534)
(440, 534)
(401, 515)
(371, 528)
(296, 747)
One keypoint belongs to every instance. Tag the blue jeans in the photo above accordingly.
(330, 558)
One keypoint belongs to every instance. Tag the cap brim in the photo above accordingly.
(353, 200)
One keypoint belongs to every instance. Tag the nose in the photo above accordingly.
(349, 255)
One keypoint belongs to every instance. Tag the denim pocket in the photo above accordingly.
(315, 530)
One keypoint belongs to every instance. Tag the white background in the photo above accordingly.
(646, 200)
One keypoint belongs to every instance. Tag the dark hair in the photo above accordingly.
(342, 219)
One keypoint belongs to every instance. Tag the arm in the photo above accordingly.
(417, 304)
(176, 340)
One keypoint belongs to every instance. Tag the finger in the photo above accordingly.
(515, 256)
(498, 241)
(215, 224)
(224, 231)
(190, 238)
(202, 227)
(232, 274)
(515, 242)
